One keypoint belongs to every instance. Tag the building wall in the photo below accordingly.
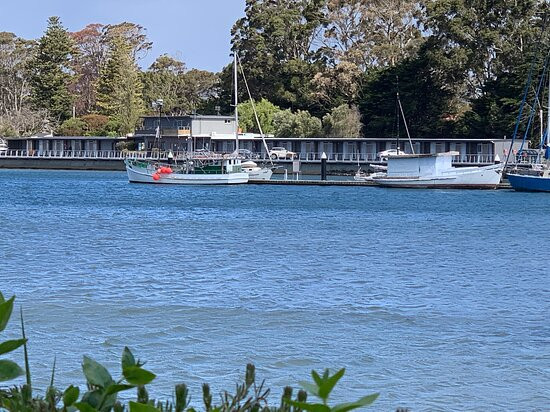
(212, 126)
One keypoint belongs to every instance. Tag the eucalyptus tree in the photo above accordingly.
(276, 44)
(87, 64)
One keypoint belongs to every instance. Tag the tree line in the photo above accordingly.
(314, 67)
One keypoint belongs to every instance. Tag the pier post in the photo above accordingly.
(324, 166)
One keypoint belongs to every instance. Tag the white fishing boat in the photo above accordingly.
(256, 172)
(197, 168)
(194, 171)
(437, 171)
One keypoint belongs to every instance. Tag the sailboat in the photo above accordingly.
(541, 181)
(254, 171)
(435, 170)
(212, 169)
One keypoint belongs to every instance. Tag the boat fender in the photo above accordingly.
(159, 170)
(156, 176)
(168, 170)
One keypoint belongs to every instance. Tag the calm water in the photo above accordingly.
(437, 299)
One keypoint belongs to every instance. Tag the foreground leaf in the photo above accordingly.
(10, 345)
(117, 388)
(312, 407)
(310, 387)
(364, 401)
(9, 370)
(5, 312)
(70, 395)
(84, 407)
(138, 376)
(127, 358)
(142, 407)
(328, 384)
(95, 373)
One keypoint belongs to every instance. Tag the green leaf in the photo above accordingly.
(312, 407)
(2, 300)
(9, 370)
(364, 401)
(310, 387)
(95, 373)
(142, 407)
(138, 376)
(70, 395)
(10, 345)
(328, 385)
(127, 358)
(318, 380)
(5, 312)
(84, 407)
(111, 389)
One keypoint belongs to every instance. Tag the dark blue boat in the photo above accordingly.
(527, 183)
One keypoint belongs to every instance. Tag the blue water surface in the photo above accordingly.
(439, 300)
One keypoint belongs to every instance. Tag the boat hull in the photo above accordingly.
(527, 183)
(487, 177)
(259, 174)
(144, 175)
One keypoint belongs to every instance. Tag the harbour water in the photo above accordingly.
(439, 300)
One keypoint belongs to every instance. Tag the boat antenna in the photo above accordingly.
(236, 103)
(404, 119)
(254, 110)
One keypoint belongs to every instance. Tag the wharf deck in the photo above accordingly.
(504, 185)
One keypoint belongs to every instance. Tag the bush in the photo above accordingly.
(299, 124)
(72, 127)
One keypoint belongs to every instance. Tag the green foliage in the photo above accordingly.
(51, 72)
(321, 387)
(266, 112)
(72, 127)
(182, 91)
(299, 124)
(343, 121)
(8, 369)
(119, 87)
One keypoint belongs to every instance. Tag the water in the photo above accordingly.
(437, 299)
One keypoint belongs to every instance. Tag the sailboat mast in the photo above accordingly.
(548, 120)
(236, 102)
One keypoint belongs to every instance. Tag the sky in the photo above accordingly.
(198, 32)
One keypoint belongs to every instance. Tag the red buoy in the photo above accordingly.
(156, 176)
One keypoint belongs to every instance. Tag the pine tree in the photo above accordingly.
(50, 71)
(119, 90)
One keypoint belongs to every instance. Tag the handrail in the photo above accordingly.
(466, 159)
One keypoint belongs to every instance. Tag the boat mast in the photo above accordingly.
(404, 120)
(236, 103)
(397, 114)
(255, 112)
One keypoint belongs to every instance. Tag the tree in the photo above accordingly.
(299, 124)
(134, 36)
(426, 102)
(372, 33)
(343, 121)
(275, 42)
(181, 90)
(51, 73)
(119, 92)
(92, 54)
(72, 127)
(266, 112)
